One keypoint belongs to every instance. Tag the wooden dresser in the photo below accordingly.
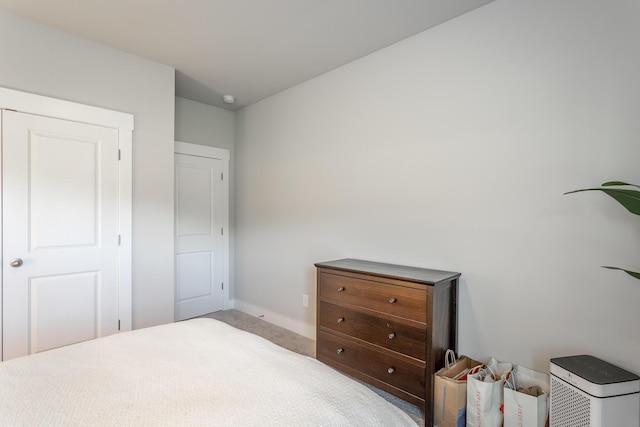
(387, 325)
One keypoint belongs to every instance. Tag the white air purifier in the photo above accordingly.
(589, 392)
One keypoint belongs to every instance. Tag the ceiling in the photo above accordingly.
(247, 48)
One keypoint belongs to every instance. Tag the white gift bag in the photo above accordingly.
(485, 395)
(522, 409)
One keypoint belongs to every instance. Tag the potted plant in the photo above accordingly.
(627, 197)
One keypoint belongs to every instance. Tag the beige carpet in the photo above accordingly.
(299, 344)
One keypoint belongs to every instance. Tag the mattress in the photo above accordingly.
(191, 373)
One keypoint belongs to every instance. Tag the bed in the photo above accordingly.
(196, 372)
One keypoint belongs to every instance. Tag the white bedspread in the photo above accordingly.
(198, 372)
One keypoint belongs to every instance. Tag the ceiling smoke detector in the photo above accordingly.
(229, 99)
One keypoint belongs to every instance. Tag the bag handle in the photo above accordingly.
(449, 358)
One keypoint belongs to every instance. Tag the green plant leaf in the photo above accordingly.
(618, 183)
(630, 273)
(630, 199)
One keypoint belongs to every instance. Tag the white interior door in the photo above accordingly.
(200, 235)
(60, 232)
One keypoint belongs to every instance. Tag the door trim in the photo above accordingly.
(123, 122)
(224, 155)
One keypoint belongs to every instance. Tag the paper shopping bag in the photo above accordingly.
(450, 391)
(528, 404)
(485, 395)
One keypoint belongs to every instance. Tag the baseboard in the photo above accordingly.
(277, 319)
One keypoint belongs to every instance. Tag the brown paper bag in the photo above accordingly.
(450, 391)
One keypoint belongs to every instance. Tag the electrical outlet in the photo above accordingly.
(305, 300)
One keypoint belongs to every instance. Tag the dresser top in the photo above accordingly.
(413, 274)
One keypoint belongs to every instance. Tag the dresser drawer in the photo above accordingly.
(396, 336)
(394, 371)
(407, 302)
(359, 303)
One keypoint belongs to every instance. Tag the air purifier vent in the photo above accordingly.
(570, 408)
(589, 392)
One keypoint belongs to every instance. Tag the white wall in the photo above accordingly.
(44, 61)
(452, 150)
(202, 124)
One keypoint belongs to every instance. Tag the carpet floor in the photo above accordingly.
(303, 345)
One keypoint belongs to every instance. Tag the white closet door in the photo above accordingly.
(60, 232)
(199, 193)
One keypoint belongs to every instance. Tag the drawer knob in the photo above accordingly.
(340, 350)
(392, 335)
(341, 289)
(391, 370)
(340, 319)
(393, 300)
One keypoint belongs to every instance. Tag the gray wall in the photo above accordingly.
(452, 150)
(44, 61)
(203, 124)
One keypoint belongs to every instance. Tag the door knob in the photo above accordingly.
(15, 262)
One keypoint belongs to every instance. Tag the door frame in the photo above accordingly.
(224, 155)
(25, 102)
